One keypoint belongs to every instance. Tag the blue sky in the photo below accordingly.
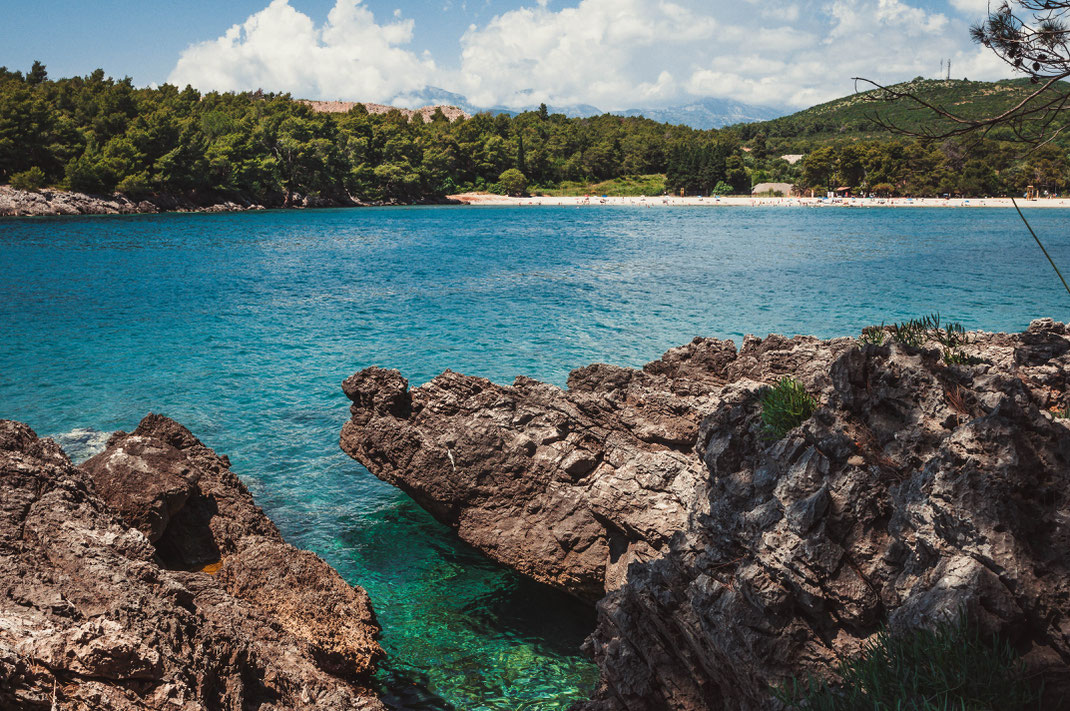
(610, 53)
(143, 40)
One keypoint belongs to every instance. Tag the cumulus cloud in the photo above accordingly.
(603, 52)
(626, 53)
(281, 49)
(883, 40)
(614, 54)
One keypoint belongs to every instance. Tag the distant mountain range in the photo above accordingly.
(701, 113)
(708, 113)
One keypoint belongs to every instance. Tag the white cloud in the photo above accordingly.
(628, 53)
(883, 40)
(614, 54)
(605, 52)
(977, 8)
(281, 49)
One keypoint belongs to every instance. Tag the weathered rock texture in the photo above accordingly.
(161, 462)
(917, 489)
(26, 203)
(51, 202)
(92, 616)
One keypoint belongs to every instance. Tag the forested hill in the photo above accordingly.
(98, 135)
(851, 116)
(94, 134)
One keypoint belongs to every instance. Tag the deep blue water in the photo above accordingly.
(243, 326)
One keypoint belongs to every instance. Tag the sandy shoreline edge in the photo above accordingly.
(485, 199)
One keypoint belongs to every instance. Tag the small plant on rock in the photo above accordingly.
(873, 336)
(951, 667)
(785, 406)
(952, 337)
(914, 332)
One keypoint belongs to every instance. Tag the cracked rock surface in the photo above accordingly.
(93, 615)
(724, 563)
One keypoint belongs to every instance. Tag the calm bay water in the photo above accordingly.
(243, 326)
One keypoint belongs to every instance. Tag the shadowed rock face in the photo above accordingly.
(916, 490)
(161, 466)
(92, 618)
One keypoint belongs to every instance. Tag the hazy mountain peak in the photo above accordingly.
(699, 112)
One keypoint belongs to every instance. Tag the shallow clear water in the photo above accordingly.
(243, 326)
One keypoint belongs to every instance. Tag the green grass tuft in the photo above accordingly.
(785, 406)
(949, 668)
(873, 336)
(915, 332)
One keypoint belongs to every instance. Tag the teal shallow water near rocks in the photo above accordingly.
(243, 326)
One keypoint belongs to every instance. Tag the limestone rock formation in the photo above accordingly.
(26, 203)
(918, 489)
(567, 488)
(161, 462)
(93, 617)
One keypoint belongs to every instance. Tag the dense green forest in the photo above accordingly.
(845, 147)
(95, 134)
(894, 166)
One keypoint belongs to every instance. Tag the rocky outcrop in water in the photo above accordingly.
(918, 489)
(148, 579)
(566, 487)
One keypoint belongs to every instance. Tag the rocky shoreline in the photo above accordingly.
(924, 486)
(927, 484)
(51, 203)
(147, 578)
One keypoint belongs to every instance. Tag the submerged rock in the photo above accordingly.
(92, 615)
(729, 563)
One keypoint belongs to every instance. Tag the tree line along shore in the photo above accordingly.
(101, 136)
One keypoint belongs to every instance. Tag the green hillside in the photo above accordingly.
(851, 116)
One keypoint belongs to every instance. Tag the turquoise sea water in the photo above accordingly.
(243, 326)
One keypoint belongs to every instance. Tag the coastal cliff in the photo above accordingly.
(147, 578)
(927, 484)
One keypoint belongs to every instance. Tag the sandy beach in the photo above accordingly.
(487, 199)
